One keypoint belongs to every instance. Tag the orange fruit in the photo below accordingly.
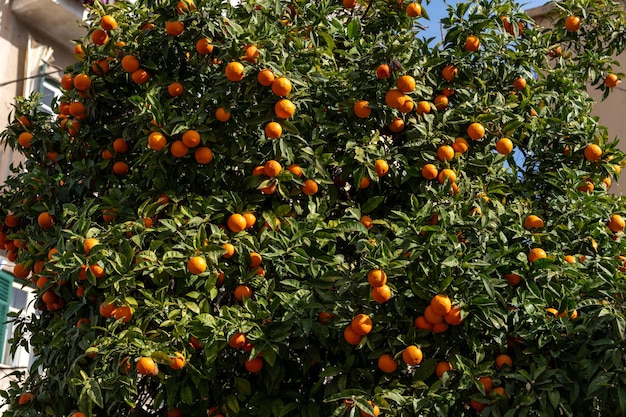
(284, 109)
(460, 145)
(504, 146)
(361, 324)
(453, 317)
(502, 360)
(185, 6)
(251, 53)
(440, 327)
(586, 186)
(310, 187)
(351, 336)
(431, 316)
(157, 141)
(441, 102)
(553, 311)
(423, 107)
(222, 114)
(611, 81)
(82, 82)
(25, 398)
(45, 220)
(570, 259)
(273, 130)
(412, 355)
(422, 324)
(445, 153)
(413, 10)
(366, 221)
(204, 46)
(255, 259)
(361, 109)
(237, 340)
(106, 309)
(375, 408)
(67, 82)
(266, 77)
(196, 265)
(295, 170)
(487, 383)
(406, 84)
(98, 37)
(107, 22)
(381, 294)
(254, 365)
(178, 361)
(191, 138)
(243, 291)
(281, 86)
(120, 168)
(203, 155)
(387, 363)
(124, 313)
(446, 173)
(364, 183)
(175, 89)
(449, 72)
(147, 366)
(272, 168)
(97, 270)
(513, 279)
(100, 67)
(77, 109)
(405, 104)
(519, 83)
(250, 219)
(476, 131)
(120, 145)
(442, 367)
(572, 23)
(383, 72)
(616, 223)
(234, 71)
(393, 98)
(230, 250)
(381, 167)
(533, 222)
(472, 43)
(141, 76)
(174, 28)
(349, 4)
(21, 271)
(477, 405)
(24, 139)
(377, 277)
(440, 304)
(535, 254)
(593, 152)
(178, 149)
(236, 223)
(396, 125)
(89, 244)
(130, 63)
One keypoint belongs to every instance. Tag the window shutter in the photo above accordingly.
(6, 286)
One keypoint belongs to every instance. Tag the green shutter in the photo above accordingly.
(6, 286)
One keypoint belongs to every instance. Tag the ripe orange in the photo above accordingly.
(147, 366)
(222, 114)
(265, 77)
(405, 104)
(82, 82)
(440, 327)
(106, 309)
(234, 71)
(460, 145)
(535, 254)
(273, 130)
(130, 63)
(351, 336)
(472, 43)
(504, 146)
(77, 109)
(519, 83)
(412, 355)
(441, 102)
(237, 340)
(24, 139)
(204, 46)
(185, 6)
(120, 168)
(383, 72)
(366, 221)
(611, 81)
(453, 317)
(616, 223)
(120, 145)
(361, 324)
(570, 259)
(414, 10)
(393, 98)
(375, 408)
(586, 186)
(406, 84)
(230, 250)
(272, 168)
(11, 220)
(446, 173)
(422, 324)
(251, 54)
(178, 361)
(141, 76)
(310, 187)
(21, 271)
(284, 109)
(107, 22)
(440, 304)
(449, 72)
(364, 183)
(361, 109)
(255, 259)
(423, 107)
(281, 86)
(174, 28)
(157, 141)
(67, 82)
(381, 167)
(396, 125)
(236, 223)
(377, 277)
(387, 363)
(442, 367)
(476, 131)
(593, 152)
(89, 244)
(98, 37)
(254, 365)
(250, 219)
(572, 23)
(178, 149)
(175, 89)
(349, 4)
(502, 360)
(100, 67)
(445, 153)
(513, 279)
(191, 138)
(25, 398)
(196, 265)
(533, 222)
(45, 220)
(243, 291)
(381, 294)
(124, 313)
(203, 155)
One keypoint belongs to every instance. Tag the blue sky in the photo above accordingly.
(437, 9)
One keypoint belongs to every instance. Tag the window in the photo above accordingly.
(49, 90)
(14, 297)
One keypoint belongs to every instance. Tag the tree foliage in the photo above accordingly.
(208, 263)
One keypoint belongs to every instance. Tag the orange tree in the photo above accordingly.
(295, 208)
